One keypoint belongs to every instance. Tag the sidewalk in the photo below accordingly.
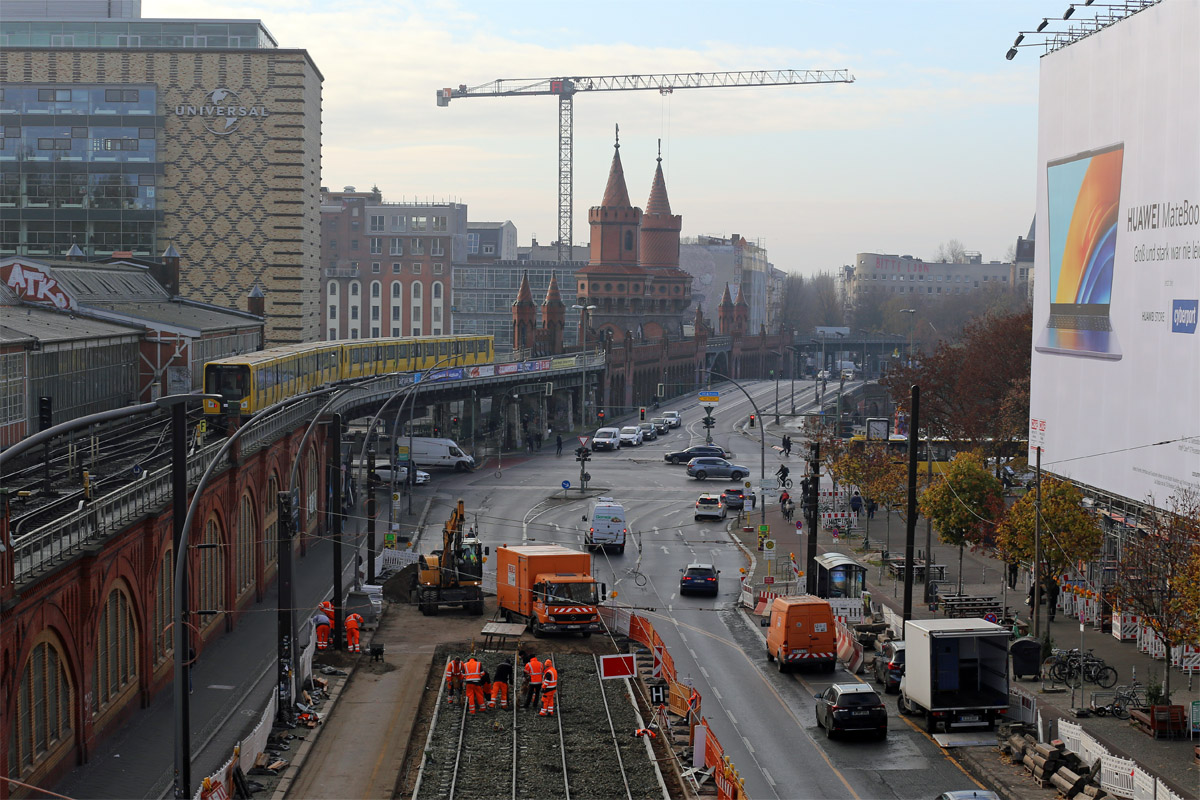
(1170, 760)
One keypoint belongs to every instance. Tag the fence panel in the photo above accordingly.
(1072, 736)
(1143, 785)
(1116, 775)
(1164, 792)
(1022, 706)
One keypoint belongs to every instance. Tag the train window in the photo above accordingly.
(391, 352)
(443, 348)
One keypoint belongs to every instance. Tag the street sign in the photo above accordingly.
(769, 483)
(658, 694)
(402, 452)
(619, 666)
(769, 549)
(710, 398)
(747, 484)
(566, 484)
(769, 579)
(764, 530)
(583, 441)
(395, 497)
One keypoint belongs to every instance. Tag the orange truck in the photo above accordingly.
(801, 631)
(550, 588)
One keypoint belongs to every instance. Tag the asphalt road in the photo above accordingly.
(764, 719)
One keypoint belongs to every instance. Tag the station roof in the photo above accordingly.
(47, 326)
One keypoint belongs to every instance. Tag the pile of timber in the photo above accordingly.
(1052, 765)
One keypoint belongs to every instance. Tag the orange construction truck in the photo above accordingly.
(549, 587)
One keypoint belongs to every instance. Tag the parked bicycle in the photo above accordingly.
(1124, 699)
(1072, 668)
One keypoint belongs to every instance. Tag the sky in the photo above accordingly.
(934, 140)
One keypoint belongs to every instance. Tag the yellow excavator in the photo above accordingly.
(453, 576)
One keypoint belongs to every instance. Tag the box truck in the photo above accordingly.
(548, 587)
(955, 672)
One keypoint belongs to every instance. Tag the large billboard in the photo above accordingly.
(1115, 393)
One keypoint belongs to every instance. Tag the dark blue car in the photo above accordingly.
(701, 578)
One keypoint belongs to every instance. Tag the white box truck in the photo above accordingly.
(607, 526)
(955, 672)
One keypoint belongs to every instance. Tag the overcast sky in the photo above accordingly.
(934, 140)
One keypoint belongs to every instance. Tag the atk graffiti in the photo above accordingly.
(33, 285)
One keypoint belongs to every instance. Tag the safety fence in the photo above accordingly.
(220, 783)
(1120, 777)
(682, 699)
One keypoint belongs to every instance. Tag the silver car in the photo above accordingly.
(711, 467)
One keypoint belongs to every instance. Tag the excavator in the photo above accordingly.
(453, 576)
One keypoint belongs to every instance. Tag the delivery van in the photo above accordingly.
(801, 631)
(607, 526)
(606, 439)
(428, 452)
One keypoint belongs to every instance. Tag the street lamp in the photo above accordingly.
(912, 321)
(762, 439)
(583, 325)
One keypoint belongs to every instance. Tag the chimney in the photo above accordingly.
(166, 272)
(256, 301)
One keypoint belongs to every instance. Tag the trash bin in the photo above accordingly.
(1026, 655)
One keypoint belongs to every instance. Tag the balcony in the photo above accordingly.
(341, 272)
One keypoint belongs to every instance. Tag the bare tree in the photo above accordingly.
(952, 252)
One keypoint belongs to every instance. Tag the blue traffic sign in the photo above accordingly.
(566, 484)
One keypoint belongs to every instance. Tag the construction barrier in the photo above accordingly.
(216, 786)
(1186, 658)
(1120, 777)
(1124, 626)
(850, 650)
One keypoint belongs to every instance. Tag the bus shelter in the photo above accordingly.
(839, 575)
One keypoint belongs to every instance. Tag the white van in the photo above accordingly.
(428, 452)
(607, 526)
(606, 439)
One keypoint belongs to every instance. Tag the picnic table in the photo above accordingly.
(970, 605)
(896, 567)
(497, 634)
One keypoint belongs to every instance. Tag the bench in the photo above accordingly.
(1161, 722)
(965, 605)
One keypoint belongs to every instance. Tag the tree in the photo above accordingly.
(964, 503)
(809, 301)
(1069, 533)
(1158, 572)
(879, 476)
(952, 251)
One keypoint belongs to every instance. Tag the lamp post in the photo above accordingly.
(583, 326)
(912, 321)
(762, 439)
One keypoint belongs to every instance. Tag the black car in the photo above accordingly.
(889, 665)
(736, 497)
(684, 456)
(699, 578)
(851, 707)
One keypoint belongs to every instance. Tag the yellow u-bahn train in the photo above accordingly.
(258, 380)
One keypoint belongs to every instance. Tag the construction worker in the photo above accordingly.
(321, 622)
(694, 703)
(352, 625)
(533, 678)
(650, 730)
(454, 679)
(473, 679)
(549, 688)
(500, 682)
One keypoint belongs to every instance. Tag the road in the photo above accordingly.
(764, 719)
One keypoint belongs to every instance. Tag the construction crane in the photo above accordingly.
(666, 83)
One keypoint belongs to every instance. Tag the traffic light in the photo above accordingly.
(582, 454)
(751, 420)
(642, 413)
(436, 431)
(709, 422)
(454, 419)
(45, 412)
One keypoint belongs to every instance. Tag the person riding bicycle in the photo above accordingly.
(782, 472)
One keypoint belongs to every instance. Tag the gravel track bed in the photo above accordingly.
(592, 767)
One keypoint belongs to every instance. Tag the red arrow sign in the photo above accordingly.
(612, 667)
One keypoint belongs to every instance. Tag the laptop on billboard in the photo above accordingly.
(1083, 194)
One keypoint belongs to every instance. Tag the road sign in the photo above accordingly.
(395, 497)
(402, 452)
(764, 530)
(769, 579)
(710, 398)
(656, 669)
(658, 694)
(583, 441)
(566, 484)
(747, 484)
(620, 666)
(769, 483)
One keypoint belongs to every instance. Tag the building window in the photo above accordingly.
(332, 311)
(419, 224)
(396, 332)
(375, 267)
(247, 531)
(354, 333)
(439, 223)
(354, 244)
(120, 95)
(333, 289)
(489, 249)
(354, 289)
(472, 244)
(396, 267)
(396, 246)
(42, 709)
(398, 223)
(332, 334)
(395, 289)
(212, 573)
(376, 245)
(374, 333)
(164, 608)
(437, 268)
(376, 223)
(628, 240)
(115, 667)
(374, 288)
(395, 313)
(437, 290)
(375, 316)
(271, 518)
(435, 245)
(417, 249)
(353, 312)
(416, 268)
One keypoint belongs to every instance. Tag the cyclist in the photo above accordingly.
(782, 472)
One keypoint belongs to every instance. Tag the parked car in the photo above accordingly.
(823, 375)
(968, 794)
(710, 506)
(737, 498)
(630, 436)
(707, 467)
(649, 433)
(661, 425)
(384, 473)
(673, 418)
(699, 578)
(889, 665)
(851, 707)
(684, 456)
(606, 439)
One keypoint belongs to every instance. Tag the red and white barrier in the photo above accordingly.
(1125, 627)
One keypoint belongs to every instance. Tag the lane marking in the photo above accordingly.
(729, 714)
(770, 780)
(749, 746)
(716, 691)
(704, 672)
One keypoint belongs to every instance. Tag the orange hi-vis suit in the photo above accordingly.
(473, 677)
(321, 623)
(549, 689)
(352, 641)
(533, 674)
(454, 676)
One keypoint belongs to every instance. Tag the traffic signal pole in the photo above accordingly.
(811, 500)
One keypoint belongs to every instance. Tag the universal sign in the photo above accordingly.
(222, 111)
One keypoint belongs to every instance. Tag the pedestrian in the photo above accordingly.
(529, 443)
(1012, 574)
(353, 621)
(473, 683)
(537, 439)
(1051, 591)
(558, 445)
(549, 688)
(533, 680)
(500, 682)
(454, 678)
(871, 506)
(322, 624)
(856, 504)
(787, 445)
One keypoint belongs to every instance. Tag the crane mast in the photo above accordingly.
(567, 87)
